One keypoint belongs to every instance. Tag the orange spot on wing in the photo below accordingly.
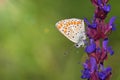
(59, 27)
(71, 22)
(61, 24)
(78, 22)
(67, 24)
(65, 30)
(74, 22)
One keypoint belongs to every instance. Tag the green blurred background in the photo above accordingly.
(31, 48)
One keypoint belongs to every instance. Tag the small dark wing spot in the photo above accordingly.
(67, 33)
(76, 45)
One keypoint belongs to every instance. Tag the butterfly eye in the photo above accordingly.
(77, 45)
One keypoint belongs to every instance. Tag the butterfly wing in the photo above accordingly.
(71, 28)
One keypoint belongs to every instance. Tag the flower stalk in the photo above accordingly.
(96, 31)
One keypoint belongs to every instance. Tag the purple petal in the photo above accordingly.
(111, 23)
(85, 74)
(105, 72)
(86, 21)
(94, 25)
(108, 69)
(112, 20)
(90, 48)
(102, 67)
(99, 2)
(93, 64)
(92, 41)
(109, 49)
(113, 27)
(85, 65)
(105, 43)
(107, 8)
(102, 75)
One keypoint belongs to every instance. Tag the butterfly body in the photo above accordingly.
(73, 29)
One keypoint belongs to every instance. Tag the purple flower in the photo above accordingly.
(96, 31)
(107, 8)
(108, 69)
(111, 23)
(93, 25)
(91, 48)
(104, 72)
(85, 65)
(105, 43)
(113, 27)
(106, 47)
(86, 21)
(112, 20)
(97, 2)
(93, 64)
(85, 74)
(102, 9)
(109, 49)
(102, 75)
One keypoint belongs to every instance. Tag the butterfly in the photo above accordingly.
(73, 29)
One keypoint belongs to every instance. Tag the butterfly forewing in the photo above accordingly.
(71, 28)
